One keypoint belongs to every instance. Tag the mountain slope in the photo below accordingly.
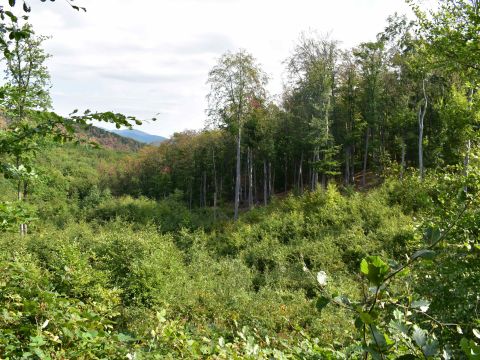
(140, 136)
(111, 140)
(102, 137)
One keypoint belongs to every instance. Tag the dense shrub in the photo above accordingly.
(112, 268)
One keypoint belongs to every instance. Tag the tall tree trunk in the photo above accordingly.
(214, 206)
(271, 175)
(295, 179)
(255, 188)
(200, 191)
(220, 188)
(402, 166)
(300, 175)
(324, 176)
(238, 176)
(190, 190)
(250, 179)
(25, 195)
(466, 160)
(316, 158)
(420, 143)
(365, 157)
(265, 183)
(421, 117)
(347, 166)
(352, 171)
(205, 189)
(245, 184)
(310, 178)
(19, 198)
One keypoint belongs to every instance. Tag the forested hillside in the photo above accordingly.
(339, 219)
(347, 116)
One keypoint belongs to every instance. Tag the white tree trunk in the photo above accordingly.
(237, 177)
(271, 180)
(421, 117)
(468, 145)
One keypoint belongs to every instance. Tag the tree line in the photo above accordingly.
(406, 100)
(344, 116)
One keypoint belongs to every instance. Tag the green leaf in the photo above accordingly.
(424, 254)
(37, 341)
(398, 326)
(430, 349)
(366, 318)
(419, 336)
(40, 353)
(14, 19)
(470, 348)
(422, 305)
(375, 269)
(358, 323)
(382, 341)
(364, 267)
(432, 234)
(124, 338)
(322, 302)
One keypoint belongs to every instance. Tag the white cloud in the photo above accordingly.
(150, 56)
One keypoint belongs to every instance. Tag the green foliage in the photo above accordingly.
(168, 215)
(374, 269)
(251, 273)
(12, 214)
(121, 263)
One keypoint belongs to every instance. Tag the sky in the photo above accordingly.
(151, 58)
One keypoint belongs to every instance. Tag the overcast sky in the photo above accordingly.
(143, 57)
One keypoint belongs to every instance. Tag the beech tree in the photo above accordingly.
(371, 60)
(312, 70)
(236, 83)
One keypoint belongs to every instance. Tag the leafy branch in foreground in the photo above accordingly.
(397, 308)
(13, 30)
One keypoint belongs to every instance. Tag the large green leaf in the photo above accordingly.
(375, 269)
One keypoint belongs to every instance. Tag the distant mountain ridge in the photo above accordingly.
(109, 140)
(97, 135)
(140, 136)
